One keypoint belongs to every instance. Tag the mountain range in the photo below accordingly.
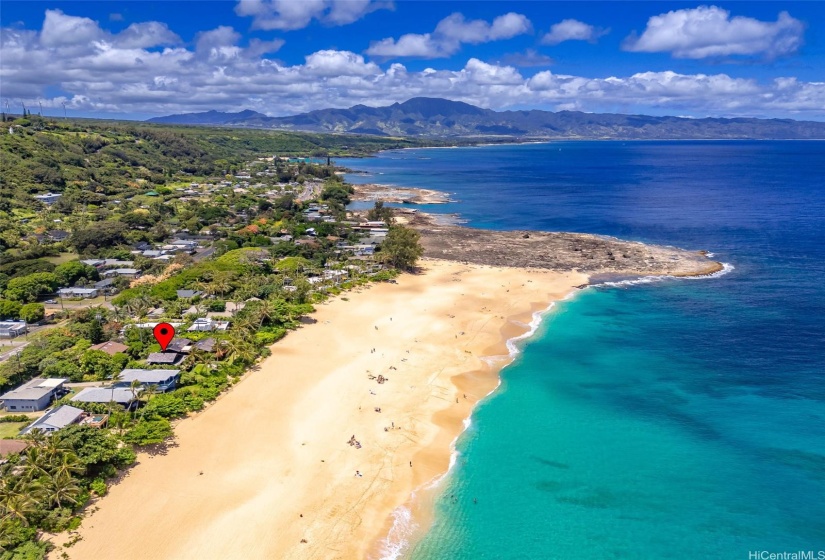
(435, 117)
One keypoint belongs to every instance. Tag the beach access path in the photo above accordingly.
(267, 472)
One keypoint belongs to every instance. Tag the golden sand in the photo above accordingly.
(278, 476)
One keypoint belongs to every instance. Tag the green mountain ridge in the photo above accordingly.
(436, 117)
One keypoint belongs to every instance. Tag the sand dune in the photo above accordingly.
(277, 469)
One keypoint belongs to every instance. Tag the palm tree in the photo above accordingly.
(220, 284)
(37, 463)
(134, 388)
(239, 349)
(36, 437)
(67, 465)
(58, 489)
(16, 502)
(149, 391)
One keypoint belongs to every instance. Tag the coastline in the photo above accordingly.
(258, 495)
(411, 521)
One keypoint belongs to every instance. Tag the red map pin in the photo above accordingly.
(164, 333)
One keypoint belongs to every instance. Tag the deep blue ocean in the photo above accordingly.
(674, 419)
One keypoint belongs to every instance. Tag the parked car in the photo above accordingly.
(51, 301)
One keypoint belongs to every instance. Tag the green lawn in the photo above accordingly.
(11, 429)
(61, 258)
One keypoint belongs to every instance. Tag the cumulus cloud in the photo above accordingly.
(450, 33)
(710, 31)
(572, 30)
(287, 15)
(146, 35)
(108, 75)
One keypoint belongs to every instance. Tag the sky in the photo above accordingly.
(137, 59)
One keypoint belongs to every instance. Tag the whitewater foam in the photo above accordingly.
(726, 268)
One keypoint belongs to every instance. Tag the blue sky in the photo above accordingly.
(139, 59)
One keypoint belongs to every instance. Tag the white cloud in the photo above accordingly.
(450, 33)
(338, 63)
(572, 30)
(288, 15)
(710, 31)
(108, 74)
(146, 35)
(61, 30)
(411, 44)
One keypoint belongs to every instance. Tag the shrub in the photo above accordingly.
(99, 487)
(14, 418)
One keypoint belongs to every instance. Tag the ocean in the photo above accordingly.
(665, 419)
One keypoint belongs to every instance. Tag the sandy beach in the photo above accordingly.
(267, 471)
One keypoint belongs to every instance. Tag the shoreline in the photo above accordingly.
(410, 522)
(308, 400)
(418, 512)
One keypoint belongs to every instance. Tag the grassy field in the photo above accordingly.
(11, 429)
(61, 258)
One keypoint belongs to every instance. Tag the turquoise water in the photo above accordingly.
(671, 419)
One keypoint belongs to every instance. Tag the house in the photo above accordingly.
(105, 285)
(125, 272)
(48, 198)
(94, 262)
(164, 358)
(115, 263)
(11, 447)
(11, 329)
(188, 294)
(206, 345)
(163, 379)
(180, 345)
(35, 394)
(55, 419)
(152, 325)
(57, 235)
(186, 245)
(104, 395)
(110, 347)
(77, 292)
(208, 324)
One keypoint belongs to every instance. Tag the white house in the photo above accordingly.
(55, 419)
(48, 198)
(78, 292)
(35, 394)
(208, 324)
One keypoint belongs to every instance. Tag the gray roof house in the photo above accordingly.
(206, 345)
(104, 284)
(164, 358)
(186, 294)
(10, 329)
(36, 394)
(181, 345)
(55, 419)
(163, 379)
(77, 292)
(105, 395)
(127, 272)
